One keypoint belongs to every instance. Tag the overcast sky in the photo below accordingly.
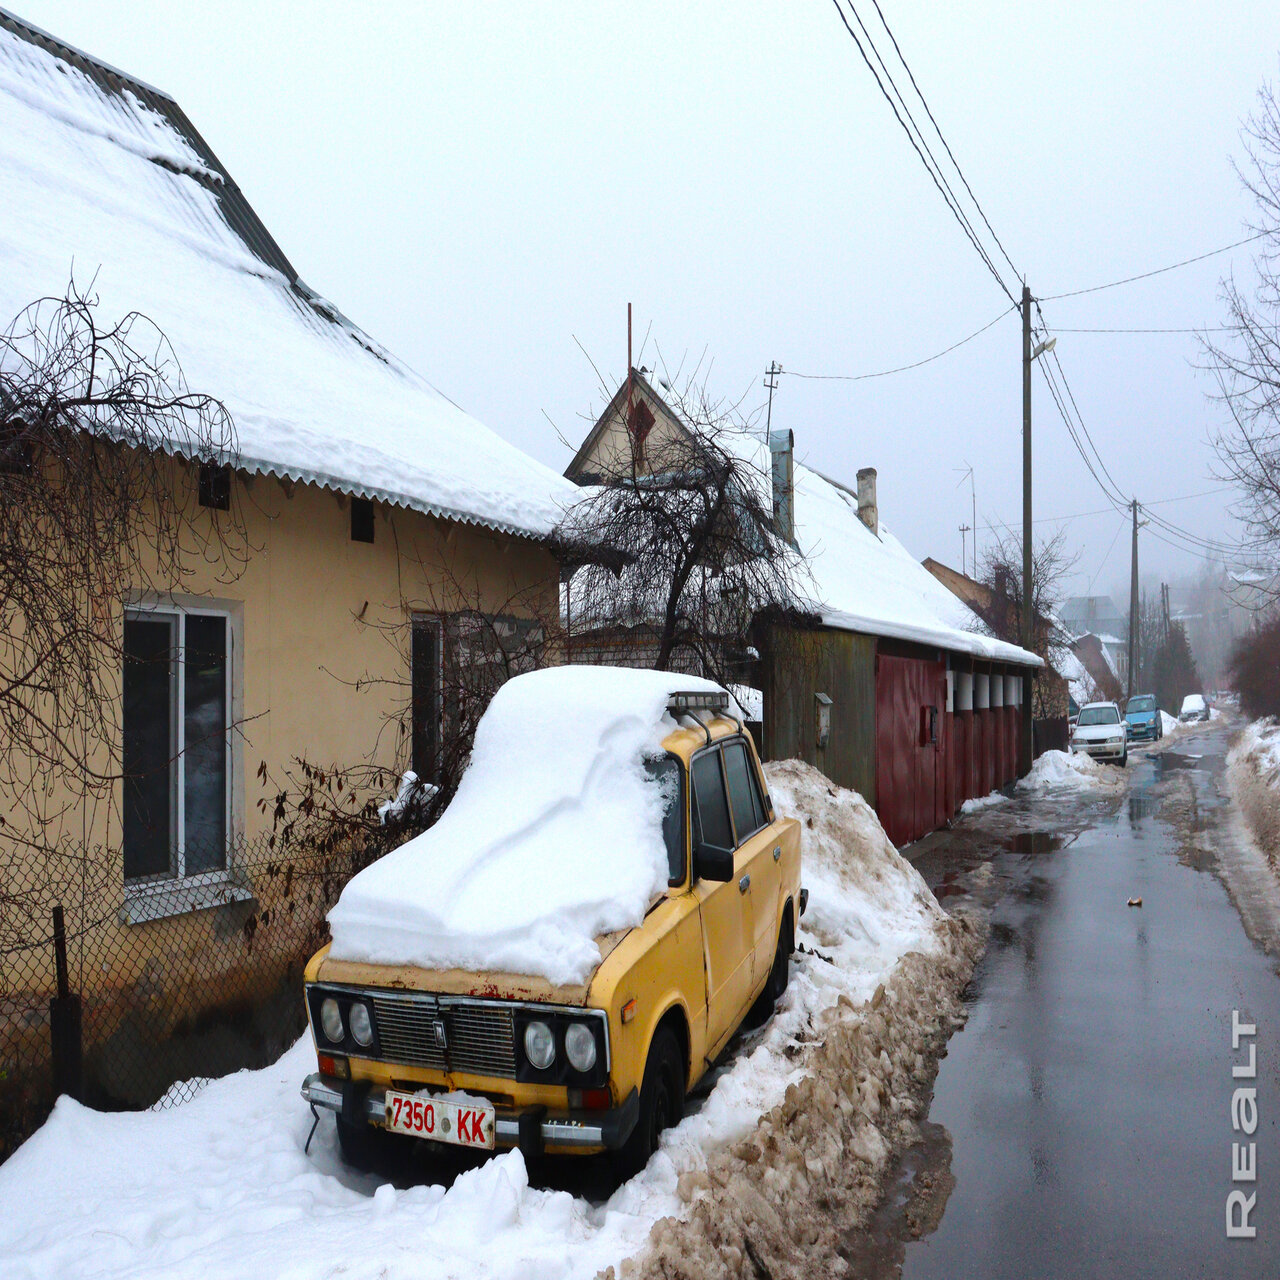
(478, 185)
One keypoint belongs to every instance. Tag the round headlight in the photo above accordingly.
(539, 1045)
(361, 1024)
(331, 1020)
(580, 1046)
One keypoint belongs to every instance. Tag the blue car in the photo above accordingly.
(1142, 719)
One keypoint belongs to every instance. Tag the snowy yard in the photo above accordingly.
(222, 1187)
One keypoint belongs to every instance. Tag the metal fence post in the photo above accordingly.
(64, 1020)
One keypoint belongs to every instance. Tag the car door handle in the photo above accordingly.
(777, 852)
(744, 884)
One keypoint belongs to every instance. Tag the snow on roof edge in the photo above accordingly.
(942, 637)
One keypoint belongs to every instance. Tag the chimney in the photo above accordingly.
(868, 512)
(782, 455)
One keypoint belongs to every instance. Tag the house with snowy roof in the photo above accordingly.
(383, 528)
(888, 683)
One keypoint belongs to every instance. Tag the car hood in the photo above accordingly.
(1098, 732)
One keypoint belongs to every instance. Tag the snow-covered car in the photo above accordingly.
(1142, 718)
(561, 957)
(1194, 708)
(1100, 732)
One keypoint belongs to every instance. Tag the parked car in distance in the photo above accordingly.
(1142, 718)
(486, 1059)
(1194, 708)
(1100, 732)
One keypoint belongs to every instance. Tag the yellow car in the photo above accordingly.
(494, 1060)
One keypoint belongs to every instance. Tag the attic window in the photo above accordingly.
(215, 486)
(361, 520)
(639, 424)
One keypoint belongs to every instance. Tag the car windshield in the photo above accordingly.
(665, 770)
(1099, 715)
(1142, 704)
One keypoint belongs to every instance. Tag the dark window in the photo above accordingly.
(712, 817)
(150, 655)
(175, 752)
(425, 699)
(748, 812)
(665, 770)
(361, 520)
(215, 486)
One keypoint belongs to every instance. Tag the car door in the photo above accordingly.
(727, 924)
(759, 854)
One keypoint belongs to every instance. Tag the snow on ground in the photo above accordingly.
(1168, 723)
(221, 1186)
(1056, 770)
(984, 802)
(515, 876)
(1253, 769)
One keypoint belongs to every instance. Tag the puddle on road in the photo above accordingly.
(1032, 842)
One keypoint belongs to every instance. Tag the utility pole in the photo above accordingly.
(964, 528)
(1134, 617)
(771, 381)
(1025, 745)
(973, 495)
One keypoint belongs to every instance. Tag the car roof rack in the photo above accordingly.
(681, 703)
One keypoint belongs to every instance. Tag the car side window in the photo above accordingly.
(748, 811)
(713, 828)
(665, 771)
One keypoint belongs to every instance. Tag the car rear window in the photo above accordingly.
(748, 813)
(1099, 715)
(712, 816)
(665, 770)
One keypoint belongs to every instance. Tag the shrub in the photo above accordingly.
(1255, 669)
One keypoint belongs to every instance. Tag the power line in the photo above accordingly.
(934, 170)
(1108, 511)
(1146, 275)
(1208, 328)
(884, 373)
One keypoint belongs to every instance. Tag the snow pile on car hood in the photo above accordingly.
(1058, 769)
(554, 836)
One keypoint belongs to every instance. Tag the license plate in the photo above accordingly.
(465, 1124)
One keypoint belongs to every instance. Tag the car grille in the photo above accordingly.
(479, 1038)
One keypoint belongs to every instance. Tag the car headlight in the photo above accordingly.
(331, 1020)
(361, 1024)
(579, 1046)
(539, 1045)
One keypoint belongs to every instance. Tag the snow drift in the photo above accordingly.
(221, 1187)
(1253, 769)
(554, 836)
(1056, 770)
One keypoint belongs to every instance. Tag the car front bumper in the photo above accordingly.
(1101, 750)
(532, 1129)
(1143, 733)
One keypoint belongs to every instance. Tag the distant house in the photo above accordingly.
(1099, 616)
(383, 525)
(890, 688)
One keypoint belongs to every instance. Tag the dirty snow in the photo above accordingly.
(87, 181)
(553, 838)
(1168, 723)
(984, 802)
(1056, 770)
(221, 1187)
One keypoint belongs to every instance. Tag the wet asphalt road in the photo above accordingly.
(1080, 1123)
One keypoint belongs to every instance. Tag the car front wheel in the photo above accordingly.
(661, 1103)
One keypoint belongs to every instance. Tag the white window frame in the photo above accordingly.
(154, 897)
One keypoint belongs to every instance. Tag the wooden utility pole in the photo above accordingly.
(771, 381)
(1027, 612)
(1134, 617)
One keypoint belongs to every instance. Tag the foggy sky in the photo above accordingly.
(479, 185)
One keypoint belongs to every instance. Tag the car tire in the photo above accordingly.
(364, 1147)
(1124, 760)
(661, 1103)
(779, 976)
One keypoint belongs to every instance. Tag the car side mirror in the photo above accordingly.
(712, 864)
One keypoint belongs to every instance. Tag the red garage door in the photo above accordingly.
(911, 701)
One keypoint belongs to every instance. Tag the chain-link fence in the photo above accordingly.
(164, 985)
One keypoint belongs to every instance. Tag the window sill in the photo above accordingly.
(164, 898)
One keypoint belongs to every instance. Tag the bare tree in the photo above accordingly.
(95, 503)
(679, 543)
(1246, 364)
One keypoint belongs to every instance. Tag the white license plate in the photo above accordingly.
(465, 1124)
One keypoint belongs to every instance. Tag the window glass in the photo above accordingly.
(425, 675)
(1146, 703)
(149, 838)
(204, 738)
(665, 771)
(713, 807)
(748, 816)
(1099, 715)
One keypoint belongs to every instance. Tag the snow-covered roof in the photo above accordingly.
(872, 584)
(105, 175)
(553, 838)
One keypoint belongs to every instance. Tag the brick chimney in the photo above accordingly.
(782, 456)
(868, 512)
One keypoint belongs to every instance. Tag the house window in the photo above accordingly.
(215, 486)
(425, 710)
(361, 520)
(176, 749)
